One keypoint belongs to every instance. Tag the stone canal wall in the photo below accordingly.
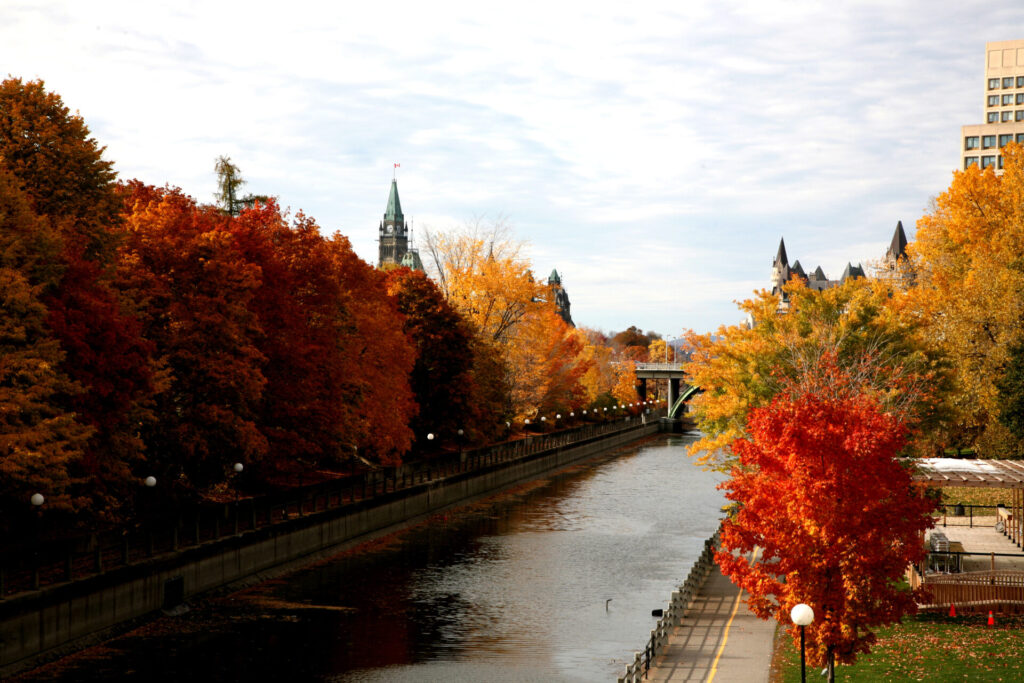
(42, 623)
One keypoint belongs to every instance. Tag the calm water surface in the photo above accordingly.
(514, 588)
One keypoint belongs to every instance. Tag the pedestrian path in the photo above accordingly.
(719, 640)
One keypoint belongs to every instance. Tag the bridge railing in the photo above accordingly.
(27, 566)
(667, 367)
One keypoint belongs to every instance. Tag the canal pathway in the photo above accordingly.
(554, 580)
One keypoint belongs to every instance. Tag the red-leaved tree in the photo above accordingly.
(836, 516)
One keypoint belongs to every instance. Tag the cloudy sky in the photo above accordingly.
(653, 152)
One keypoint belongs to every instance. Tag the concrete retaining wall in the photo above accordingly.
(46, 622)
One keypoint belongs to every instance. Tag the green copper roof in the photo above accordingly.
(412, 260)
(394, 212)
(553, 278)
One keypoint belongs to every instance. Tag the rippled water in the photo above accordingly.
(514, 588)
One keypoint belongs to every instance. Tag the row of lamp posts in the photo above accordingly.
(37, 500)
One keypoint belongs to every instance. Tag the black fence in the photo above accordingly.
(964, 514)
(33, 565)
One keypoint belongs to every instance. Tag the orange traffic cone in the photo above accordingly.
(991, 619)
(952, 610)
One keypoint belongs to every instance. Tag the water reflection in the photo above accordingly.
(509, 589)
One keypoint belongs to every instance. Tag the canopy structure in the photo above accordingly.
(1003, 474)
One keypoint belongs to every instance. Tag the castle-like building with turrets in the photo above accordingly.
(782, 272)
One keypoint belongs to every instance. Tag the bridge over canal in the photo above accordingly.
(673, 372)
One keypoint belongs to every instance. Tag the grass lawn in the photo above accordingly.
(928, 647)
(975, 496)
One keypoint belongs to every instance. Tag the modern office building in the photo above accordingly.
(1004, 107)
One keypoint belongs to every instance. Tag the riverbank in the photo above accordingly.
(36, 623)
(553, 579)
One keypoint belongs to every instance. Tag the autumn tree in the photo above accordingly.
(381, 357)
(600, 378)
(41, 441)
(485, 276)
(482, 272)
(183, 262)
(545, 365)
(869, 329)
(969, 286)
(826, 513)
(442, 378)
(68, 183)
(302, 308)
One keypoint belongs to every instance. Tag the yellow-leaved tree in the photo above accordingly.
(485, 276)
(968, 262)
(870, 331)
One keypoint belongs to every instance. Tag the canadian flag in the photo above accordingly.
(398, 165)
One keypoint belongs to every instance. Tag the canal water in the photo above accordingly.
(554, 580)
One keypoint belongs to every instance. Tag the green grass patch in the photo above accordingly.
(951, 495)
(928, 647)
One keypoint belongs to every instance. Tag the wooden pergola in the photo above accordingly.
(999, 474)
(1001, 590)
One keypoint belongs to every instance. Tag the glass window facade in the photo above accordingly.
(1020, 138)
(1008, 82)
(1000, 166)
(1020, 81)
(1020, 98)
(993, 100)
(993, 117)
(988, 161)
(1004, 140)
(1007, 115)
(988, 141)
(1018, 115)
(993, 83)
(970, 161)
(1007, 99)
(971, 142)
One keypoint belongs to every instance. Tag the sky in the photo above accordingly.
(654, 152)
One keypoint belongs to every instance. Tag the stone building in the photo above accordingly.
(561, 297)
(783, 272)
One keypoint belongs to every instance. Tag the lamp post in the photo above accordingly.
(802, 615)
(37, 501)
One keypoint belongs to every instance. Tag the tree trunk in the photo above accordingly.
(831, 666)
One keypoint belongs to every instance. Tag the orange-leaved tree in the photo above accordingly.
(183, 264)
(380, 356)
(41, 442)
(545, 365)
(828, 511)
(68, 183)
(303, 312)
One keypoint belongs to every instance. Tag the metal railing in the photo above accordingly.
(29, 566)
(673, 614)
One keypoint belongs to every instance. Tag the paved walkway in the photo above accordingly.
(719, 640)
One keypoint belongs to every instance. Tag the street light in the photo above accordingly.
(802, 615)
(37, 499)
(149, 481)
(239, 467)
(430, 436)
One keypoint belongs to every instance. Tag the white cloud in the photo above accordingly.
(674, 144)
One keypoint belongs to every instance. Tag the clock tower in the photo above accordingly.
(394, 233)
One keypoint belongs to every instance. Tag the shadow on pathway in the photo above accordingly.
(719, 640)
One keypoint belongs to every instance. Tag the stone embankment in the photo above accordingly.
(43, 621)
